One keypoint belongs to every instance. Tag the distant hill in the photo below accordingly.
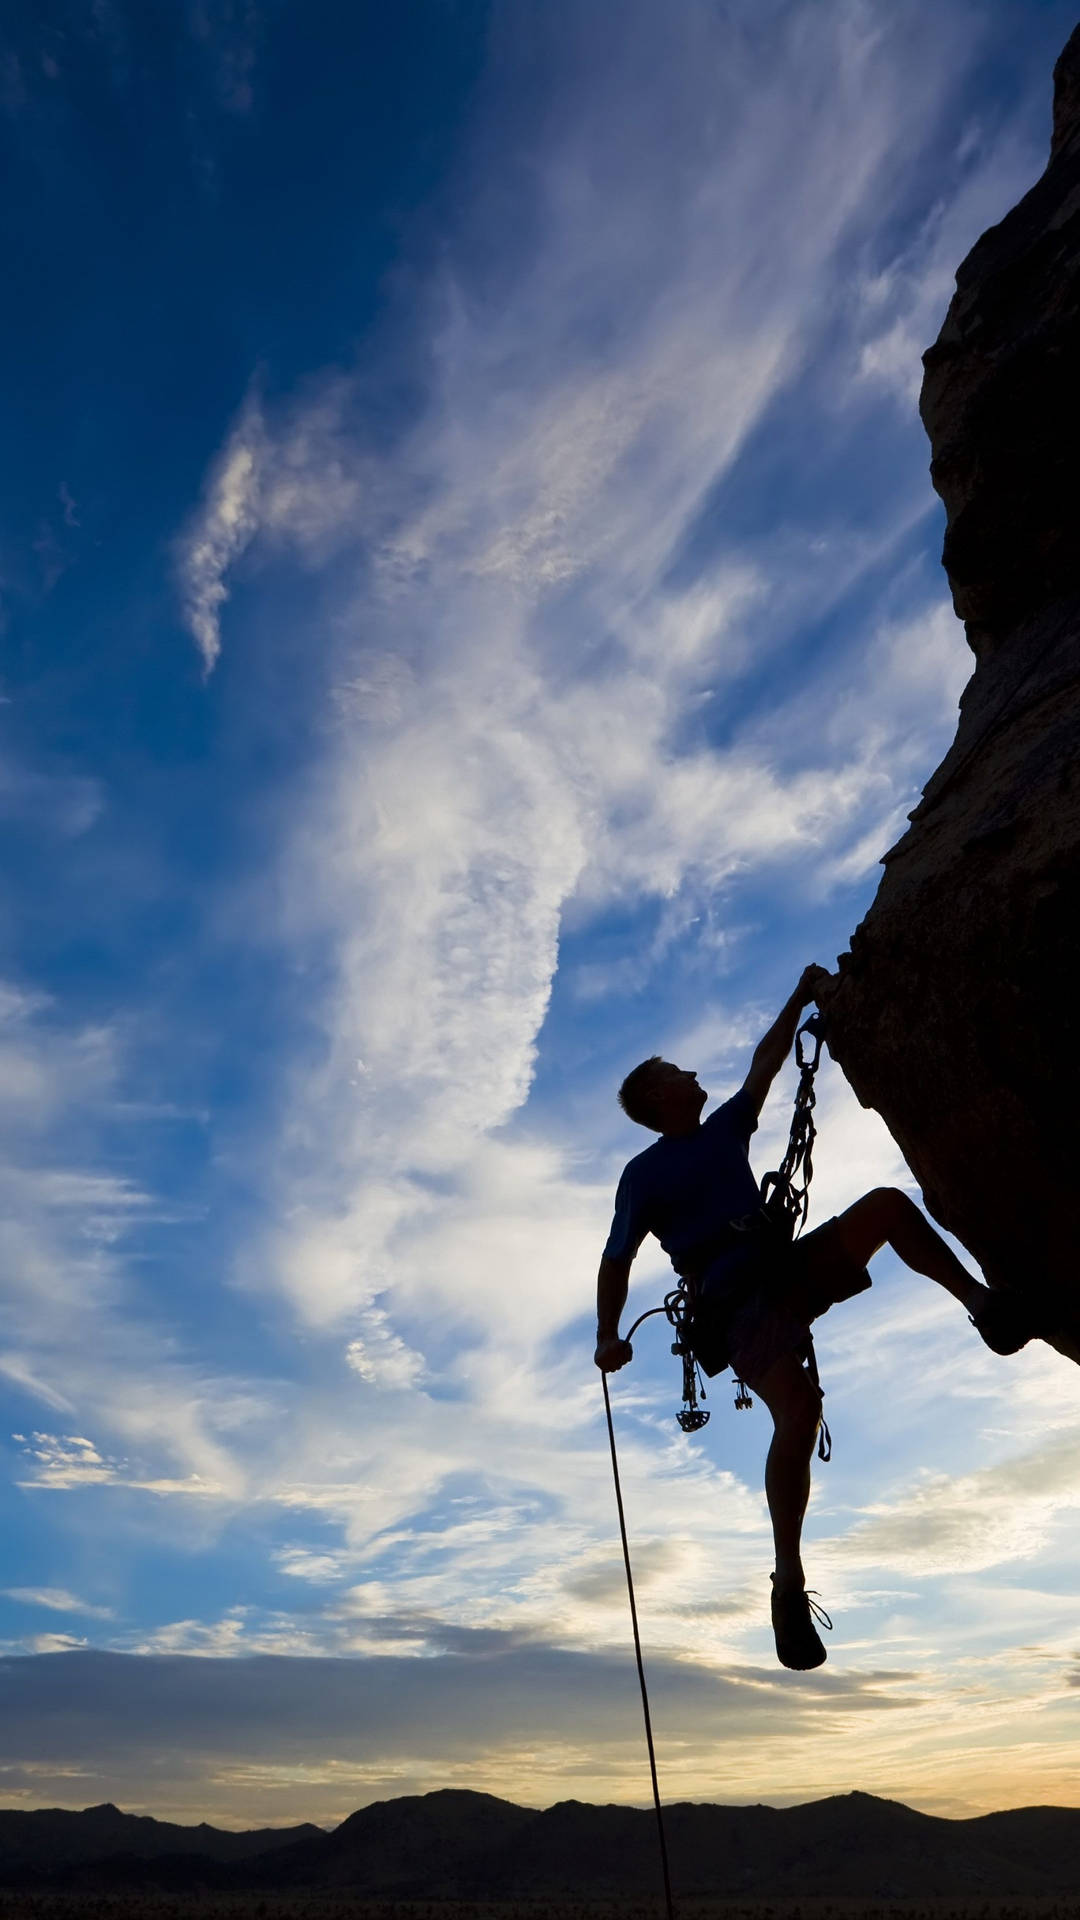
(461, 1845)
(50, 1839)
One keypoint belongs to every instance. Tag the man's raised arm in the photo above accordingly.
(771, 1052)
(612, 1283)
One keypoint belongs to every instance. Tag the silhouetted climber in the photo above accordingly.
(755, 1295)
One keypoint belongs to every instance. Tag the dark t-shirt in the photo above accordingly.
(686, 1188)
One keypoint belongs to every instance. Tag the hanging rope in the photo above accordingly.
(640, 1663)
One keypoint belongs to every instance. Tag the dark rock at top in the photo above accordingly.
(956, 1012)
(1066, 95)
(1001, 398)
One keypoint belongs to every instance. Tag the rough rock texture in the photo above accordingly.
(957, 1012)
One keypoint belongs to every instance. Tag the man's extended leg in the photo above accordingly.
(795, 1405)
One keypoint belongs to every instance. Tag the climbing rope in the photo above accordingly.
(637, 1653)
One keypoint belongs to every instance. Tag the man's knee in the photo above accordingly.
(888, 1205)
(887, 1197)
(797, 1415)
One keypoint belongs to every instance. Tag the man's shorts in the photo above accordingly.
(757, 1303)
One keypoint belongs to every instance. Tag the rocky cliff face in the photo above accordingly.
(957, 1012)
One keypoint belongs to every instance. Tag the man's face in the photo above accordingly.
(679, 1098)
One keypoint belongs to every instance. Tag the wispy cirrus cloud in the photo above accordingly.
(76, 1338)
(62, 1462)
(57, 1600)
(220, 531)
(528, 700)
(903, 300)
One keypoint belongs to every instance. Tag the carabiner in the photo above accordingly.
(815, 1027)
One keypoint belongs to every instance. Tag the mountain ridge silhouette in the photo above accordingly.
(458, 1844)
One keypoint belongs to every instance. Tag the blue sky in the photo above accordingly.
(471, 618)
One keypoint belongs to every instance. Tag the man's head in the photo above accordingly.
(663, 1097)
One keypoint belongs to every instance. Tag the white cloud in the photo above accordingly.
(381, 1358)
(65, 1460)
(301, 1564)
(18, 1003)
(79, 1338)
(18, 1370)
(1003, 1513)
(220, 532)
(904, 303)
(57, 1600)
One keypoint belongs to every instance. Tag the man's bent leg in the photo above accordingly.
(1003, 1319)
(887, 1217)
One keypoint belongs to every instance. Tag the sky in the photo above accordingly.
(472, 618)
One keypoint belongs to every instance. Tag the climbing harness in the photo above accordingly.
(785, 1198)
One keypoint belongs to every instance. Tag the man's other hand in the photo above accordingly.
(612, 1353)
(810, 980)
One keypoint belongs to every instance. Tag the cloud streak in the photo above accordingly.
(220, 533)
(517, 668)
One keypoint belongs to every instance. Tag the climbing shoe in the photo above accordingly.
(793, 1614)
(1005, 1321)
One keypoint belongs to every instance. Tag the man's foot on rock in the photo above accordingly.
(797, 1641)
(1006, 1321)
